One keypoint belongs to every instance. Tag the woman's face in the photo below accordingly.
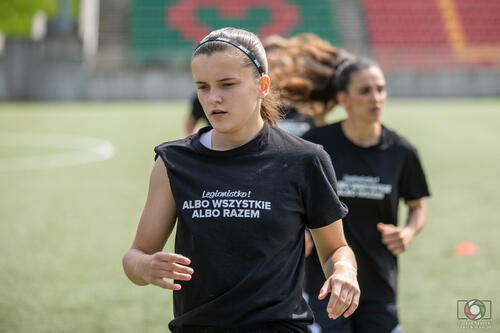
(228, 92)
(366, 95)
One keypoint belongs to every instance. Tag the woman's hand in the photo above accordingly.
(144, 262)
(161, 265)
(339, 266)
(396, 239)
(344, 291)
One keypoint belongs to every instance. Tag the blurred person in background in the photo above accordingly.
(302, 67)
(239, 254)
(375, 167)
(196, 118)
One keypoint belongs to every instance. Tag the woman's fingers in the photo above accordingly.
(324, 290)
(181, 269)
(166, 285)
(172, 266)
(172, 257)
(353, 306)
(397, 251)
(335, 303)
(344, 297)
(341, 303)
(348, 301)
(168, 266)
(175, 275)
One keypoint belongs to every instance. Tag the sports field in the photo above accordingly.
(74, 177)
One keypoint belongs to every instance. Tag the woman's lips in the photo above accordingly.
(217, 113)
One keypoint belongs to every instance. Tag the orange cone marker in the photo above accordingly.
(466, 249)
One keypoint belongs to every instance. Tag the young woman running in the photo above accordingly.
(376, 168)
(242, 192)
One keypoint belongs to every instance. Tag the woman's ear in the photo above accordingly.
(264, 86)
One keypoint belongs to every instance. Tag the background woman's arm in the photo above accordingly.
(398, 239)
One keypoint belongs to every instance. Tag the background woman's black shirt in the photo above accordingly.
(371, 181)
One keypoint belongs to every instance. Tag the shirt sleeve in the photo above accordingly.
(413, 184)
(322, 204)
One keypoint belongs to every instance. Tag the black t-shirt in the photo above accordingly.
(371, 182)
(241, 219)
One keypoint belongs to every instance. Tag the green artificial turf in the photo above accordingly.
(63, 230)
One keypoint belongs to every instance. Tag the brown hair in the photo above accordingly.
(348, 68)
(269, 107)
(304, 66)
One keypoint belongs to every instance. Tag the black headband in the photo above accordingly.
(238, 46)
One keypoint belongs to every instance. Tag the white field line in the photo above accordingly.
(83, 150)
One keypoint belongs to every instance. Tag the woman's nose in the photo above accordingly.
(377, 96)
(215, 97)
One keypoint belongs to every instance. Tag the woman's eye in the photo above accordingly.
(365, 91)
(228, 84)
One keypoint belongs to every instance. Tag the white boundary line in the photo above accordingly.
(83, 150)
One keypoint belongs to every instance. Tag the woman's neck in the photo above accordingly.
(231, 140)
(361, 133)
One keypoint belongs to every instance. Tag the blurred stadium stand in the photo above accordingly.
(434, 34)
(160, 33)
(140, 49)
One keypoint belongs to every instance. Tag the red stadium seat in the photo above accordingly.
(434, 34)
